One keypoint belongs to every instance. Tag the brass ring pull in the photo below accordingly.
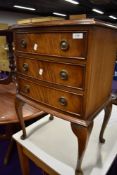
(25, 67)
(64, 45)
(63, 101)
(23, 43)
(63, 75)
(26, 89)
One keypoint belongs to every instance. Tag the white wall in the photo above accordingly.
(11, 17)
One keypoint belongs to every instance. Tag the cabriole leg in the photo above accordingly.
(19, 111)
(82, 133)
(108, 110)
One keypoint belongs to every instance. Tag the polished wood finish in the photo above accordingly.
(35, 43)
(102, 55)
(72, 103)
(19, 106)
(65, 68)
(8, 114)
(82, 133)
(57, 73)
(8, 117)
(108, 110)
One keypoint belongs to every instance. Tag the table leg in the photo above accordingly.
(9, 151)
(108, 110)
(24, 161)
(82, 133)
(18, 106)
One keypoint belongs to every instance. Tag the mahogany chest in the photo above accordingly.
(66, 68)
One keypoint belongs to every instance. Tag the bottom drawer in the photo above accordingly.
(59, 99)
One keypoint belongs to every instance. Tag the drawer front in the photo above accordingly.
(52, 97)
(58, 73)
(53, 44)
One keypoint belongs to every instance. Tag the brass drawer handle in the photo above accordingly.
(25, 67)
(23, 43)
(63, 75)
(26, 89)
(63, 101)
(64, 45)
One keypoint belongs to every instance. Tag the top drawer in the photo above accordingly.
(67, 44)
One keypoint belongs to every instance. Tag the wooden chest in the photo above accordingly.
(66, 67)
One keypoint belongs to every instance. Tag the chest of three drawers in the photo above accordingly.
(46, 71)
(66, 69)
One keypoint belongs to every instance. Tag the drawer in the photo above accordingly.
(67, 44)
(57, 73)
(56, 98)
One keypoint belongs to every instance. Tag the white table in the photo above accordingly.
(53, 147)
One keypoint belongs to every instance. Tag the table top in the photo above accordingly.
(7, 106)
(54, 143)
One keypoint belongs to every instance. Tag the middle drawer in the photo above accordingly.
(58, 73)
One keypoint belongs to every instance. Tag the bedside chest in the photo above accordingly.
(65, 68)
